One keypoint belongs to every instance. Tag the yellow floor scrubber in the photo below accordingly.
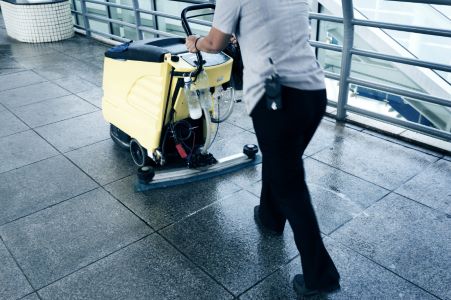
(164, 104)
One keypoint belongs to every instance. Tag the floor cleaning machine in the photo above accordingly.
(165, 104)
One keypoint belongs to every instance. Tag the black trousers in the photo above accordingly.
(283, 136)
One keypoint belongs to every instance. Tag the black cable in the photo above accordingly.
(188, 126)
(217, 128)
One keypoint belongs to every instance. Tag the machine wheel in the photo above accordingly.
(250, 150)
(139, 154)
(146, 174)
(119, 137)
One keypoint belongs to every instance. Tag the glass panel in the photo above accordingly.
(96, 9)
(175, 26)
(98, 26)
(124, 15)
(147, 20)
(332, 87)
(330, 33)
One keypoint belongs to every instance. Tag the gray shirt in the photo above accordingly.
(271, 29)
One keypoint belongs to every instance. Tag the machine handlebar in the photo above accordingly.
(189, 32)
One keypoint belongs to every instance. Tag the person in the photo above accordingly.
(273, 36)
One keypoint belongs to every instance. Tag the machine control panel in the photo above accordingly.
(209, 59)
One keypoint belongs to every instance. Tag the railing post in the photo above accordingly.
(84, 12)
(108, 13)
(77, 22)
(139, 33)
(346, 60)
(153, 6)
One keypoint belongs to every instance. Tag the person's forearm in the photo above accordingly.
(205, 44)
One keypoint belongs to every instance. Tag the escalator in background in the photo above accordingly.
(429, 48)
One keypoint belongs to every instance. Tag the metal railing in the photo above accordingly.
(348, 51)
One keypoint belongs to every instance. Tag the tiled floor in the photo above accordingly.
(72, 227)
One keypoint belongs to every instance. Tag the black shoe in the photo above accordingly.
(263, 228)
(303, 291)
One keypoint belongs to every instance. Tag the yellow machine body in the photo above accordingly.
(136, 95)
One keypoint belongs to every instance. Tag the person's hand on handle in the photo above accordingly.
(191, 43)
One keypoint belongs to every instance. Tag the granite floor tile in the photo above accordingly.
(162, 207)
(62, 239)
(7, 62)
(6, 59)
(53, 110)
(13, 284)
(44, 60)
(360, 279)
(79, 47)
(406, 237)
(326, 135)
(10, 124)
(246, 177)
(104, 162)
(53, 71)
(31, 94)
(348, 188)
(431, 187)
(233, 145)
(227, 131)
(255, 188)
(22, 51)
(19, 79)
(148, 269)
(397, 140)
(39, 185)
(76, 132)
(93, 48)
(86, 71)
(333, 209)
(77, 39)
(22, 149)
(93, 96)
(4, 39)
(96, 59)
(381, 162)
(74, 84)
(224, 240)
(240, 117)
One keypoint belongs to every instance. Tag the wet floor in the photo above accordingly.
(71, 226)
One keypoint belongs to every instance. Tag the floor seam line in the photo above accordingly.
(17, 263)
